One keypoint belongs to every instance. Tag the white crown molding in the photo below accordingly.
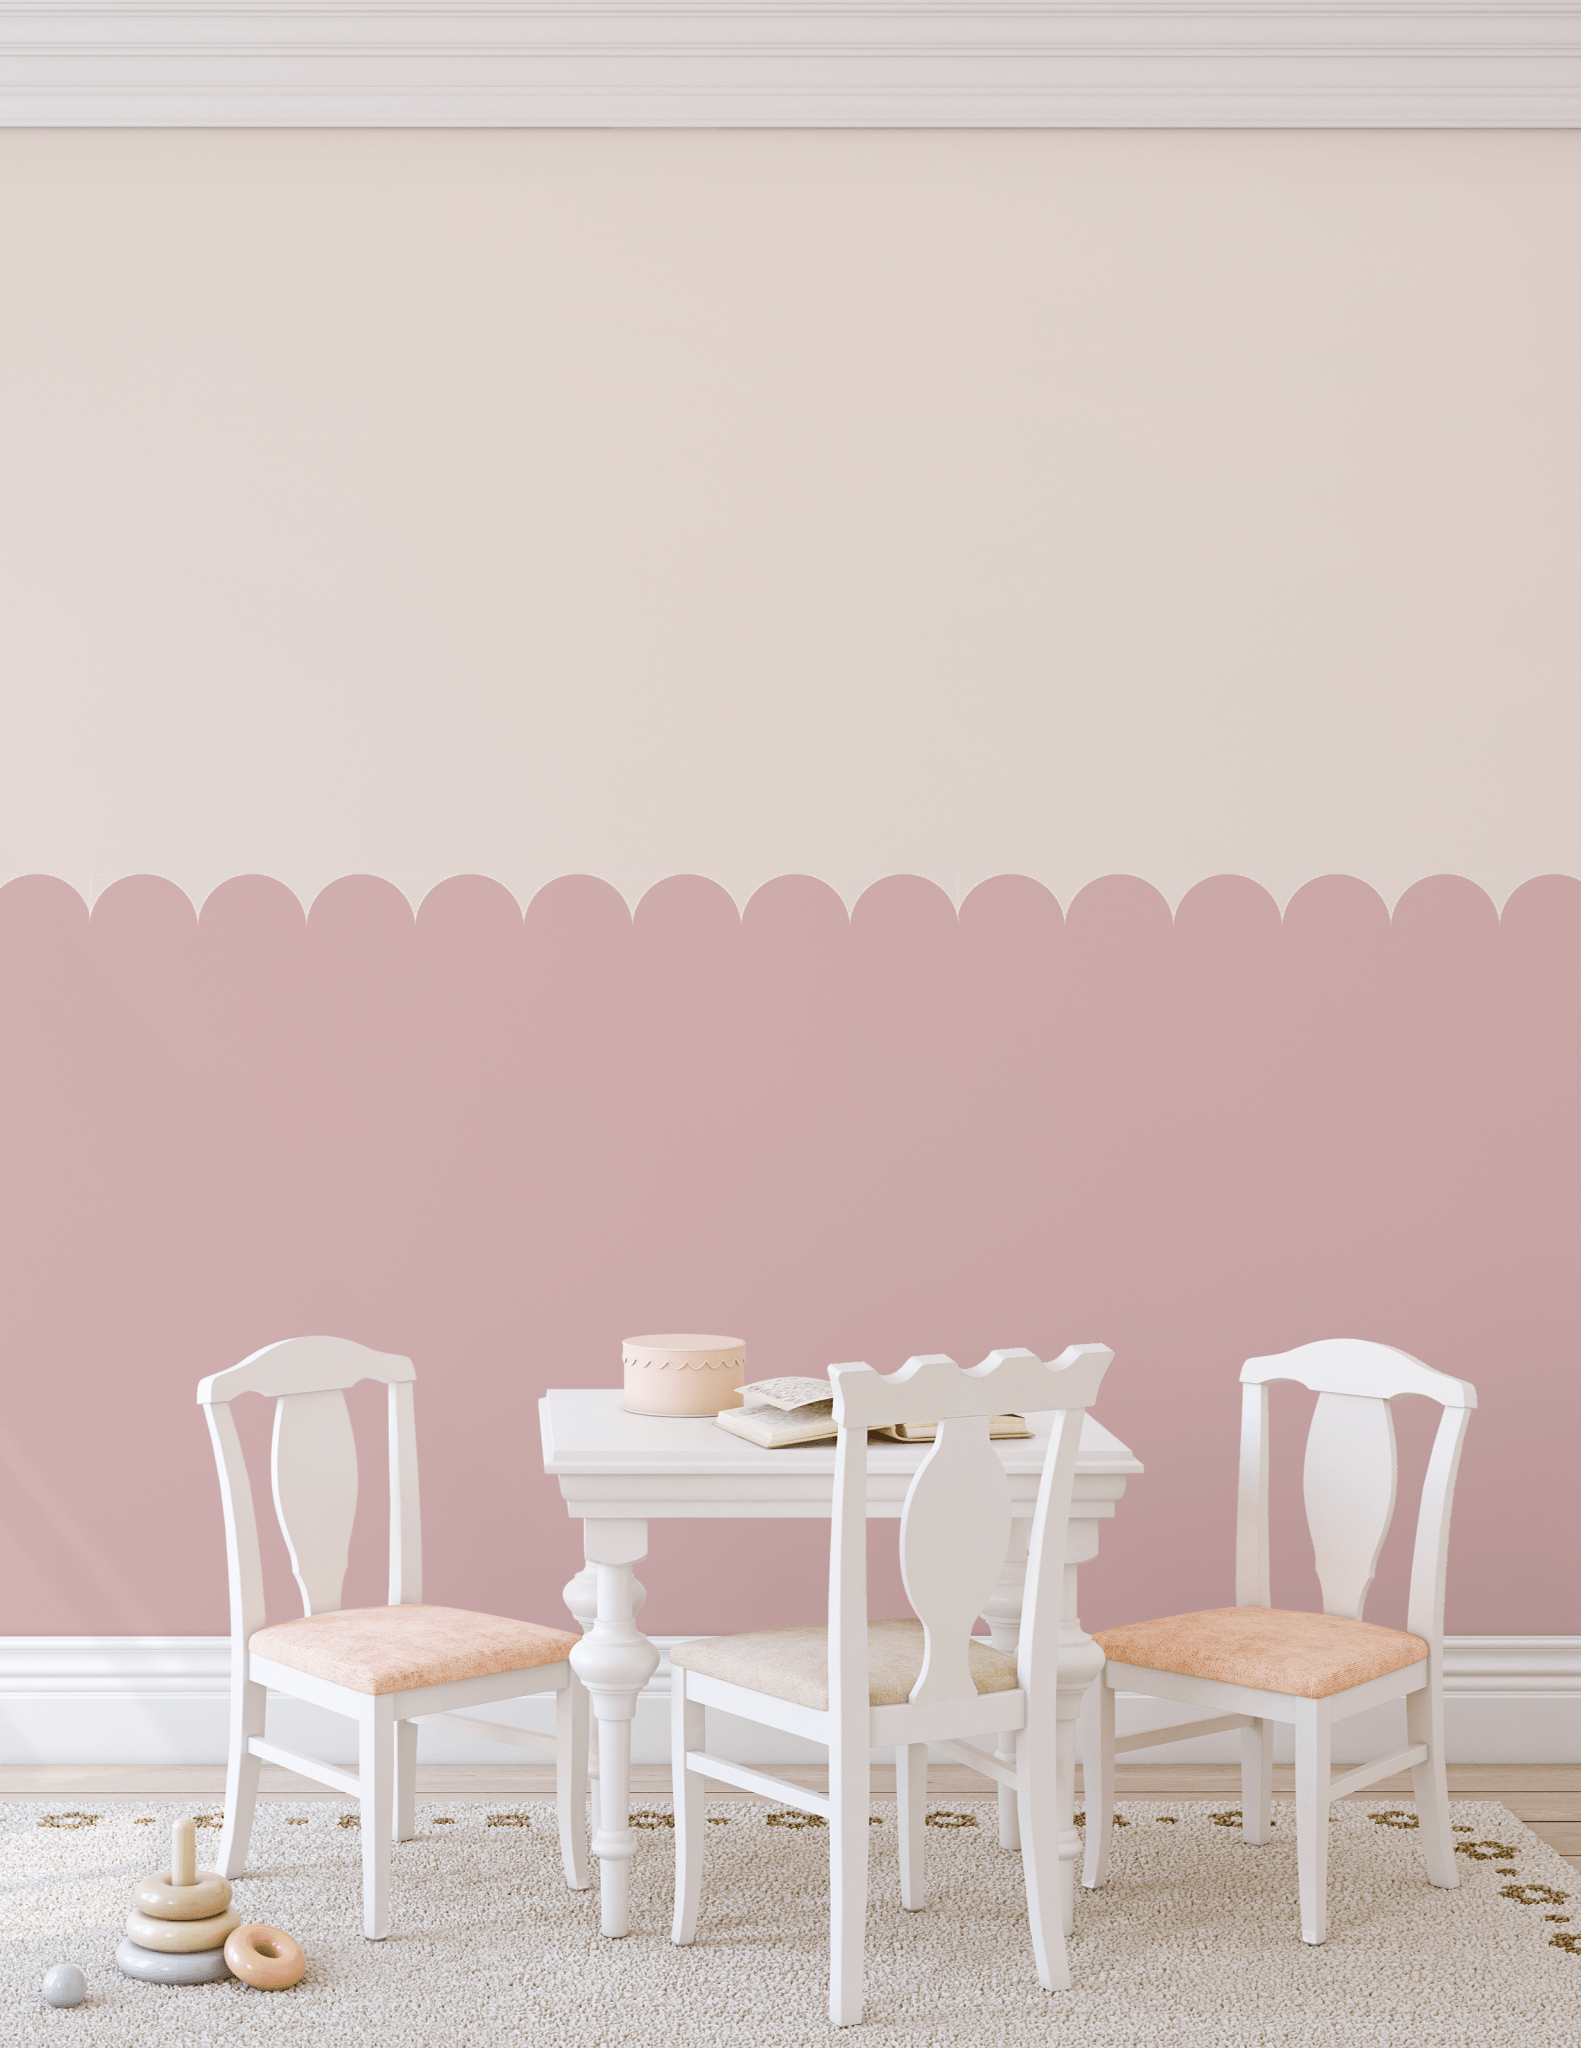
(790, 64)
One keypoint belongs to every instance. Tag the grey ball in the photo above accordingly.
(65, 1985)
(207, 1966)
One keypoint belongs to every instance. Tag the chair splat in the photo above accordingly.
(954, 1531)
(1349, 1483)
(315, 1492)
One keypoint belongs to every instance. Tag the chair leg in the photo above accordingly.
(1312, 1805)
(850, 1795)
(686, 1733)
(911, 1801)
(248, 1706)
(1424, 1722)
(376, 1771)
(405, 1780)
(1257, 1782)
(1097, 1773)
(570, 1780)
(1037, 1798)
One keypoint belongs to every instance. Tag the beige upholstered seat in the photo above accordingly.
(793, 1663)
(395, 1649)
(1308, 1656)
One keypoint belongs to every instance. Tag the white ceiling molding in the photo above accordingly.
(790, 64)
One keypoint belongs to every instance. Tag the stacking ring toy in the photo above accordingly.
(264, 1956)
(160, 1896)
(180, 1937)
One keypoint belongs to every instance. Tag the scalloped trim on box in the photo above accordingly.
(704, 1374)
(719, 1354)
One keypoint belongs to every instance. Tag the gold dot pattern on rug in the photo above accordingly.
(645, 1817)
(69, 1820)
(145, 1820)
(1193, 1943)
(940, 1819)
(509, 1820)
(1484, 1852)
(796, 1820)
(442, 1820)
(1532, 1894)
(350, 1820)
(1395, 1817)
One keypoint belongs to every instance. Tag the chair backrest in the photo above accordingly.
(955, 1523)
(314, 1466)
(1350, 1475)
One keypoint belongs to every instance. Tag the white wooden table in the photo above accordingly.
(618, 1472)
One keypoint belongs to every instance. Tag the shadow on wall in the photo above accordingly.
(500, 1144)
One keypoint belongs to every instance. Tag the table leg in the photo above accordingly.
(1003, 1616)
(1080, 1662)
(581, 1596)
(614, 1660)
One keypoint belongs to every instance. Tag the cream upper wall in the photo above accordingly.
(754, 503)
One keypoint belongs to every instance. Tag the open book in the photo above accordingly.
(776, 1414)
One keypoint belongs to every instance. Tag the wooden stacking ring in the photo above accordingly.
(164, 1899)
(264, 1956)
(181, 1937)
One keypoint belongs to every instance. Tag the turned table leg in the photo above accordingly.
(614, 1660)
(1080, 1661)
(1003, 1616)
(581, 1596)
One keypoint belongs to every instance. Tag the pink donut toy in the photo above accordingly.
(266, 1957)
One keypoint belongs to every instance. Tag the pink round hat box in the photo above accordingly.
(683, 1375)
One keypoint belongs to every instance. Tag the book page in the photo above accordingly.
(786, 1393)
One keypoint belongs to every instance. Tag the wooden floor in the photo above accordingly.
(1546, 1796)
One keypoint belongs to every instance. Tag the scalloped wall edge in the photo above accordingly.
(634, 908)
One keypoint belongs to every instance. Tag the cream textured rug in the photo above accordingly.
(1193, 1941)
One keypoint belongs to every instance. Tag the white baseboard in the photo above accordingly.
(162, 1700)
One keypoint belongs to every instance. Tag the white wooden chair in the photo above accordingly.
(1253, 1664)
(852, 1686)
(385, 1667)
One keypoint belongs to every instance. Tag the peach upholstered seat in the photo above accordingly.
(396, 1649)
(793, 1663)
(1253, 1666)
(1274, 1649)
(386, 1669)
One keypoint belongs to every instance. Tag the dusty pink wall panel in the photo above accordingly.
(501, 1145)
